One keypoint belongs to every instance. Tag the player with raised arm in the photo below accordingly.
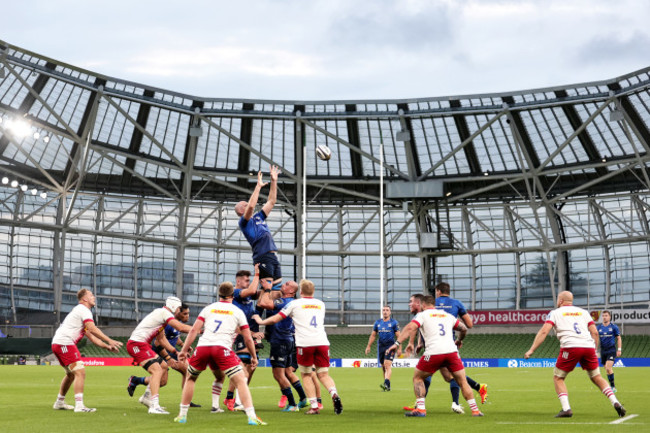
(312, 345)
(222, 320)
(243, 297)
(387, 329)
(457, 309)
(441, 351)
(257, 232)
(139, 347)
(77, 323)
(611, 345)
(577, 333)
(283, 344)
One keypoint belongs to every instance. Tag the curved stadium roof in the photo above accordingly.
(134, 139)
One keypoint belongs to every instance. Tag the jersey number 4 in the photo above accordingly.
(313, 323)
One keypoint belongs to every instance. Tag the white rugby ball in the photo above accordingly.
(323, 152)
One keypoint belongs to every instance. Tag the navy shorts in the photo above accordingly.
(381, 355)
(282, 354)
(269, 266)
(607, 356)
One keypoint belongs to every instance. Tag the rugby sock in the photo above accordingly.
(155, 401)
(139, 380)
(387, 383)
(250, 411)
(610, 395)
(427, 383)
(60, 398)
(332, 391)
(473, 384)
(230, 395)
(216, 393)
(319, 400)
(298, 387)
(313, 402)
(287, 393)
(610, 377)
(472, 405)
(564, 400)
(455, 391)
(79, 400)
(184, 408)
(237, 400)
(419, 404)
(147, 392)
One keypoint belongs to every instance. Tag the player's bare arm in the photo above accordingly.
(371, 340)
(162, 341)
(594, 334)
(179, 326)
(267, 298)
(252, 287)
(539, 339)
(268, 321)
(462, 332)
(191, 336)
(407, 332)
(91, 328)
(273, 191)
(252, 201)
(100, 343)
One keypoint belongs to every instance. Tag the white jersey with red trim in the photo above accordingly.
(308, 316)
(221, 322)
(571, 325)
(437, 328)
(72, 328)
(151, 325)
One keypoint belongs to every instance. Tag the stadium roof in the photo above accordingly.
(66, 129)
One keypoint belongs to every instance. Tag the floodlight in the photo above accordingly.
(5, 180)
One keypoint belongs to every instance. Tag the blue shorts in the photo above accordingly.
(381, 355)
(282, 355)
(607, 356)
(269, 266)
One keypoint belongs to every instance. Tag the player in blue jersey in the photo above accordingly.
(257, 232)
(246, 292)
(457, 309)
(283, 344)
(611, 345)
(387, 329)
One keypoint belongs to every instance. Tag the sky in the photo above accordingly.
(307, 50)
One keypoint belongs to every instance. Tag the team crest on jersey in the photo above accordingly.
(221, 312)
(311, 307)
(576, 314)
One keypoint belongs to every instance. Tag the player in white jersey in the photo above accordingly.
(578, 334)
(221, 322)
(139, 347)
(312, 345)
(440, 352)
(77, 323)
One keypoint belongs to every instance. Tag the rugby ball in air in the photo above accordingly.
(323, 152)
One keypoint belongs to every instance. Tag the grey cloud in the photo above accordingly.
(611, 47)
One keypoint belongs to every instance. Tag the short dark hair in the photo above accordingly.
(608, 312)
(184, 307)
(81, 293)
(243, 273)
(429, 300)
(418, 297)
(443, 288)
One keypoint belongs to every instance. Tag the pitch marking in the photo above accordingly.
(625, 418)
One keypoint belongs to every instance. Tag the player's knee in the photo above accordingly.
(322, 371)
(305, 370)
(593, 374)
(78, 368)
(559, 374)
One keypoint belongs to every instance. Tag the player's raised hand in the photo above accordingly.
(260, 180)
(275, 171)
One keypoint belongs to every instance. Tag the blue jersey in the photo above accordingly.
(171, 334)
(608, 336)
(451, 306)
(283, 330)
(247, 306)
(257, 234)
(385, 332)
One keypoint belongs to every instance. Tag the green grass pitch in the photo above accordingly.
(520, 400)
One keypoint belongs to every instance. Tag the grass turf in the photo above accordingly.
(520, 400)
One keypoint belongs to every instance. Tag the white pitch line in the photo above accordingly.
(625, 418)
(565, 423)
